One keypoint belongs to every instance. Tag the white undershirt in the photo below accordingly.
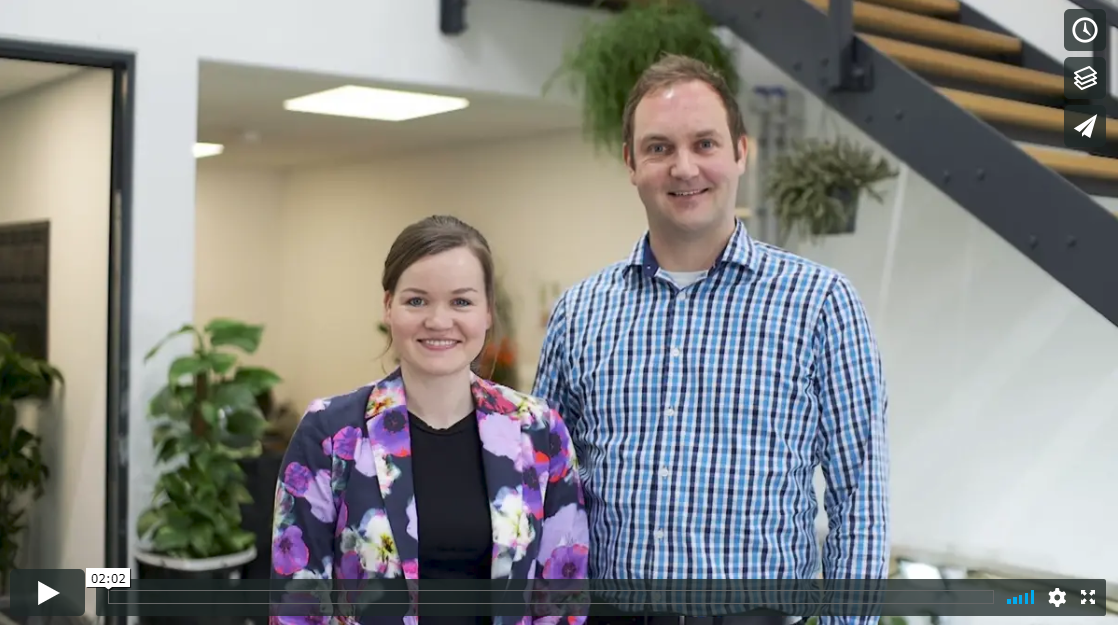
(684, 279)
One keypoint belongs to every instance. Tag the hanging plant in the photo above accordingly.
(816, 185)
(613, 53)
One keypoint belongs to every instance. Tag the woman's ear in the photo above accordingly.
(388, 308)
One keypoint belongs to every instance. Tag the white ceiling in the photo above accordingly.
(242, 108)
(19, 76)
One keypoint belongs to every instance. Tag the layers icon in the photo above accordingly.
(1086, 77)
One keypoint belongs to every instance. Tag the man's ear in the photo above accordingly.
(627, 156)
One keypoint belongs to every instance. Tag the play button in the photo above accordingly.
(48, 592)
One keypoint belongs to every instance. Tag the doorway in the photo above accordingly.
(36, 298)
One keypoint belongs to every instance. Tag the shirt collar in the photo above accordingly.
(740, 251)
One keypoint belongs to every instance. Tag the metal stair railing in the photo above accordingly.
(1046, 217)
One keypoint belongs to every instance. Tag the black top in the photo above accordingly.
(451, 506)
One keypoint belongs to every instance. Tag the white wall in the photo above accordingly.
(1003, 394)
(55, 148)
(238, 253)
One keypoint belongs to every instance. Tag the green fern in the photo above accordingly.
(614, 52)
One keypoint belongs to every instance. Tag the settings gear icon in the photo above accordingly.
(1056, 597)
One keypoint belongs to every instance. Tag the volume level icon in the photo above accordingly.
(1028, 598)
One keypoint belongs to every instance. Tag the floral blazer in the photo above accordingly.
(345, 507)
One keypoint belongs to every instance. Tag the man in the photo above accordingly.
(704, 378)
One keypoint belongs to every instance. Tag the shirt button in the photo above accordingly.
(663, 471)
(669, 411)
(659, 534)
(676, 352)
(658, 597)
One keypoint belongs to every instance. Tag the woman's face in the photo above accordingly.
(439, 314)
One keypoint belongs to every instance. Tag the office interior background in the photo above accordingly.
(1002, 381)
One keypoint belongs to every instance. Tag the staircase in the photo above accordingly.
(966, 105)
(926, 37)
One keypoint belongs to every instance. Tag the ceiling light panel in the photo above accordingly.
(378, 104)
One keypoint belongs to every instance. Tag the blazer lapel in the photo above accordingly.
(510, 463)
(390, 441)
(512, 472)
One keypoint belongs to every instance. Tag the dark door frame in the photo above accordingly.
(118, 282)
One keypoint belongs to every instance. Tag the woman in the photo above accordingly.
(432, 472)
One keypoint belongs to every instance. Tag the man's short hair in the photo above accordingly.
(674, 69)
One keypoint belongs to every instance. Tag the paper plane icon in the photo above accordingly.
(1087, 127)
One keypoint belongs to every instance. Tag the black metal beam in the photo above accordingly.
(1045, 216)
(608, 5)
(452, 17)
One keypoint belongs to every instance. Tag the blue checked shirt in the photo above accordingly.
(699, 416)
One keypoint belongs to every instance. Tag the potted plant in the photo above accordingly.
(207, 420)
(816, 185)
(612, 54)
(22, 471)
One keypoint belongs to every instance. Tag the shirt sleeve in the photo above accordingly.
(853, 448)
(553, 371)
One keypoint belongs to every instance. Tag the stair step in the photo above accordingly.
(963, 67)
(1005, 111)
(928, 29)
(1074, 163)
(937, 8)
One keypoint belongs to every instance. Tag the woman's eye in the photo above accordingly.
(415, 301)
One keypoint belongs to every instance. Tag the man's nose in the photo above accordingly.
(685, 166)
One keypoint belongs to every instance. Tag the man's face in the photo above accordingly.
(682, 160)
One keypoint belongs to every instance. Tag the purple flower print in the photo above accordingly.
(296, 479)
(413, 527)
(390, 430)
(491, 400)
(345, 441)
(568, 562)
(565, 527)
(533, 498)
(500, 437)
(289, 552)
(363, 459)
(321, 497)
(305, 620)
(349, 567)
(411, 569)
(559, 441)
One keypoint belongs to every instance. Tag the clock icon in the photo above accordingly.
(1085, 30)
